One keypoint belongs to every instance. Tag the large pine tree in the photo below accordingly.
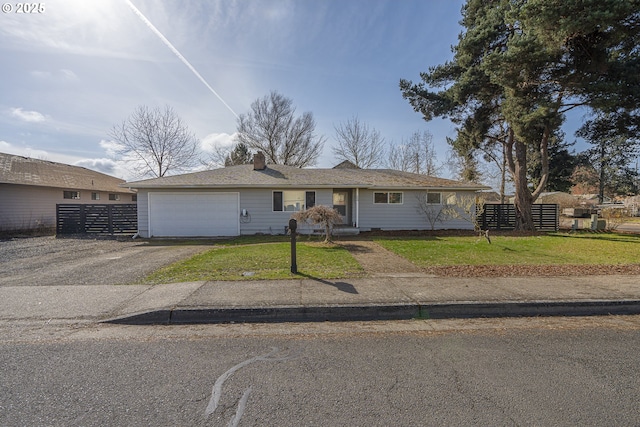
(520, 65)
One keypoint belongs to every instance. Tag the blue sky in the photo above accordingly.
(71, 73)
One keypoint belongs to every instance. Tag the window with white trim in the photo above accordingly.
(95, 196)
(434, 198)
(114, 196)
(293, 201)
(387, 197)
(71, 195)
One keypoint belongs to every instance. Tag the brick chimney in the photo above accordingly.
(259, 162)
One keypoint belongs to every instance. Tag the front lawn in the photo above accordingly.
(545, 249)
(236, 261)
(268, 257)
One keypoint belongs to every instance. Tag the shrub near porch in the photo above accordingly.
(545, 249)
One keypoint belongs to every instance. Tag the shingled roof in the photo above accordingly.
(280, 176)
(27, 171)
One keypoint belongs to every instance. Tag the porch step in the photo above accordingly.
(346, 231)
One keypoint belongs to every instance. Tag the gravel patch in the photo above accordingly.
(50, 261)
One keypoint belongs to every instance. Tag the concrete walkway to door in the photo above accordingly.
(379, 262)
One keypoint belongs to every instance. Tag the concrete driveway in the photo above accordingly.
(49, 261)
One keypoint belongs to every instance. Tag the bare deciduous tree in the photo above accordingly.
(417, 155)
(615, 216)
(399, 157)
(434, 213)
(464, 207)
(272, 128)
(155, 141)
(468, 208)
(359, 144)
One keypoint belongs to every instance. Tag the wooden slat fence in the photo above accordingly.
(96, 219)
(503, 217)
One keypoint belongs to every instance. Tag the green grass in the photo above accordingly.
(234, 258)
(268, 257)
(556, 248)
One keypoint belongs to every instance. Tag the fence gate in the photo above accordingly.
(503, 217)
(98, 219)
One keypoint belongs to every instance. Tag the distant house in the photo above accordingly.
(260, 198)
(31, 188)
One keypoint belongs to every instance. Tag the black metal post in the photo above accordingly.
(293, 225)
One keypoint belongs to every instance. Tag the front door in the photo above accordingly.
(341, 204)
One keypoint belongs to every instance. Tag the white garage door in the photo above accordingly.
(201, 214)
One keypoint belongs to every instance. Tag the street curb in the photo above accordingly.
(342, 313)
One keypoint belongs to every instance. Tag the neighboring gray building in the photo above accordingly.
(31, 188)
(260, 198)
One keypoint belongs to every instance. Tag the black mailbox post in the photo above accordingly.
(293, 226)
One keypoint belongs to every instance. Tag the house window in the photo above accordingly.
(434, 198)
(71, 195)
(293, 201)
(114, 196)
(387, 198)
(134, 197)
(95, 196)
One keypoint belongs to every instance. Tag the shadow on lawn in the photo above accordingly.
(341, 286)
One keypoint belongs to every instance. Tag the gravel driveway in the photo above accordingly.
(42, 261)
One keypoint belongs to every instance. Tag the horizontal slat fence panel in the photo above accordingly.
(503, 217)
(96, 219)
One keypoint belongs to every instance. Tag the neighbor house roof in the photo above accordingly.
(42, 173)
(280, 176)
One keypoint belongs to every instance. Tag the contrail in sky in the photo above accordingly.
(177, 53)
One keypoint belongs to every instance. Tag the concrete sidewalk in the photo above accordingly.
(395, 297)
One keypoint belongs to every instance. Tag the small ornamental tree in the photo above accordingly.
(615, 216)
(469, 208)
(319, 214)
(433, 213)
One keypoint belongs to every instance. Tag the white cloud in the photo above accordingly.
(130, 168)
(110, 147)
(107, 166)
(28, 116)
(217, 140)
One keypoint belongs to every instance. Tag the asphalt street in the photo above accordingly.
(511, 372)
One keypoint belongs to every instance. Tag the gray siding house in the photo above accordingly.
(260, 198)
(31, 188)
